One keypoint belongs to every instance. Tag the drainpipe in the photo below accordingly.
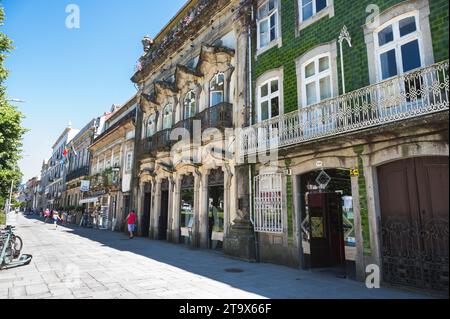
(250, 99)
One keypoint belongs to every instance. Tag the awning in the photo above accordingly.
(89, 200)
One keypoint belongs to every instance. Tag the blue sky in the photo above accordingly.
(74, 74)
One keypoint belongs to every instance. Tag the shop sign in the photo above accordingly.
(85, 186)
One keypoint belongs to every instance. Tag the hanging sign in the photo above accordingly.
(354, 172)
(85, 186)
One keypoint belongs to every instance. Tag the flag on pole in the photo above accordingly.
(74, 151)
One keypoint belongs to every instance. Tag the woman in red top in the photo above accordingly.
(131, 220)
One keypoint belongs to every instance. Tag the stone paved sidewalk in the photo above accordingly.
(73, 262)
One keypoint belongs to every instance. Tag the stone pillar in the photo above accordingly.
(229, 197)
(360, 268)
(176, 208)
(140, 207)
(170, 209)
(203, 213)
(196, 228)
(154, 222)
(372, 207)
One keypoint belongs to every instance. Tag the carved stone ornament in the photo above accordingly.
(147, 43)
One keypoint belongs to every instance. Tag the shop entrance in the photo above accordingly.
(187, 209)
(327, 227)
(216, 209)
(164, 215)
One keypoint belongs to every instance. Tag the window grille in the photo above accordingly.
(270, 203)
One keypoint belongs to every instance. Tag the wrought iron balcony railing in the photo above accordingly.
(158, 142)
(218, 116)
(410, 95)
(80, 172)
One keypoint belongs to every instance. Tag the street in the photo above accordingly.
(73, 262)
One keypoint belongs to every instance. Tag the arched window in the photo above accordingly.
(217, 89)
(189, 105)
(151, 125)
(167, 116)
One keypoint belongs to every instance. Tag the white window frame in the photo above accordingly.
(188, 104)
(269, 98)
(147, 126)
(211, 91)
(397, 42)
(165, 117)
(316, 77)
(259, 21)
(328, 10)
(129, 161)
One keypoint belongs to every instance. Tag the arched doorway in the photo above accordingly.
(414, 208)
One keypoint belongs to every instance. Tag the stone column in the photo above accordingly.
(140, 207)
(196, 230)
(372, 207)
(229, 197)
(176, 207)
(156, 212)
(360, 269)
(203, 212)
(170, 209)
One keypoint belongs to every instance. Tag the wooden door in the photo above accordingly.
(414, 222)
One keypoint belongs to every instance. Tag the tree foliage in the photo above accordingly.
(11, 130)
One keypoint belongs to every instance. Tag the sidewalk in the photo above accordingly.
(86, 263)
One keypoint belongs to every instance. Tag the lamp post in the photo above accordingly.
(344, 35)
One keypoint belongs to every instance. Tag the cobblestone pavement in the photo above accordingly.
(73, 262)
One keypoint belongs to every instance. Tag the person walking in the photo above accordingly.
(46, 216)
(56, 218)
(131, 221)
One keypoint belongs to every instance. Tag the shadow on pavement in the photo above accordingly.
(266, 280)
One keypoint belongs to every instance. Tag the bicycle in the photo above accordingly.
(10, 249)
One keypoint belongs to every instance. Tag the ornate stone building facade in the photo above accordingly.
(193, 82)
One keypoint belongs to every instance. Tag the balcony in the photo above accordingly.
(219, 116)
(80, 172)
(110, 178)
(160, 141)
(412, 95)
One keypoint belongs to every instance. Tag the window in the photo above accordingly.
(217, 88)
(129, 161)
(189, 105)
(269, 203)
(167, 116)
(269, 100)
(317, 82)
(151, 125)
(309, 8)
(398, 47)
(267, 23)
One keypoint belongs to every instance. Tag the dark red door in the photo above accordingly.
(327, 234)
(414, 221)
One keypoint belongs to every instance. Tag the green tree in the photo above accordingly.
(11, 130)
